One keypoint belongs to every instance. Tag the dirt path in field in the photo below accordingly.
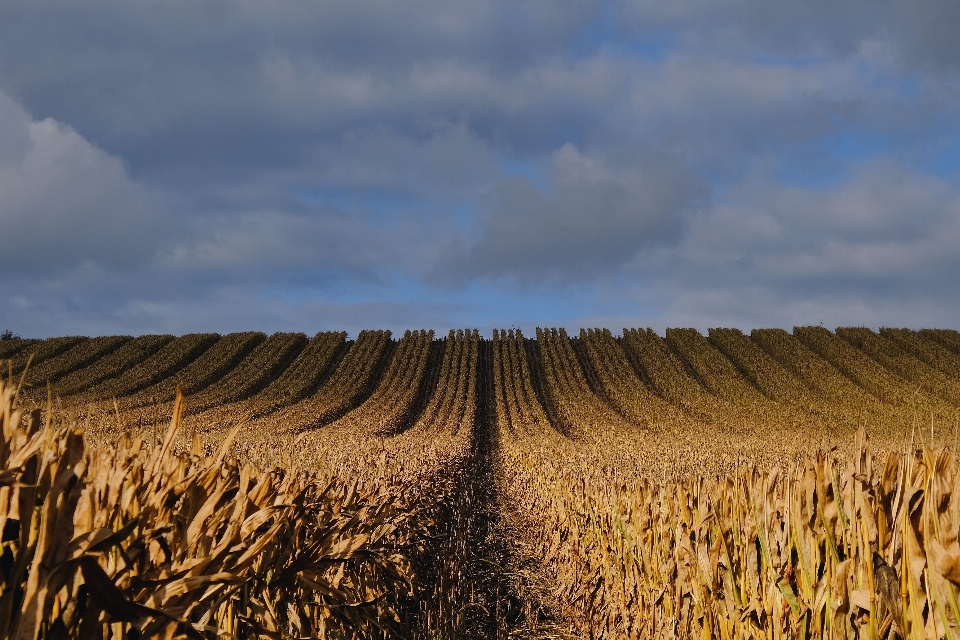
(502, 585)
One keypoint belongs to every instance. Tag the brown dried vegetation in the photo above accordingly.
(716, 486)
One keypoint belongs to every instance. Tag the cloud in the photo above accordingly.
(882, 247)
(594, 215)
(619, 160)
(64, 202)
(919, 33)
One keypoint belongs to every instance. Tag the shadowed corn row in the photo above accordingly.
(388, 409)
(172, 357)
(254, 372)
(298, 381)
(84, 353)
(10, 348)
(352, 379)
(40, 351)
(113, 364)
(907, 365)
(620, 384)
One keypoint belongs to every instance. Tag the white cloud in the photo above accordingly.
(64, 202)
(880, 248)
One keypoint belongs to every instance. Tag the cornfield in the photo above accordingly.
(725, 486)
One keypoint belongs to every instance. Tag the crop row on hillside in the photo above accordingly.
(948, 337)
(110, 365)
(41, 351)
(576, 404)
(172, 357)
(905, 364)
(209, 367)
(14, 346)
(257, 370)
(928, 349)
(621, 386)
(351, 382)
(857, 366)
(666, 374)
(299, 380)
(304, 374)
(82, 354)
(389, 409)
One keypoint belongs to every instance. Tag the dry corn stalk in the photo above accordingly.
(109, 542)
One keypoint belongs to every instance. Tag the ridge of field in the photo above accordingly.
(207, 369)
(858, 366)
(841, 401)
(41, 351)
(927, 348)
(304, 376)
(713, 369)
(780, 383)
(84, 353)
(172, 357)
(614, 380)
(720, 432)
(389, 409)
(108, 366)
(936, 386)
(12, 347)
(565, 383)
(762, 371)
(350, 384)
(948, 337)
(661, 369)
(252, 374)
(306, 373)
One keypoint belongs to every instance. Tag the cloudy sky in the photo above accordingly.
(221, 166)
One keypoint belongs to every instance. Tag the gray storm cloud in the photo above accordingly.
(175, 166)
(64, 202)
(593, 215)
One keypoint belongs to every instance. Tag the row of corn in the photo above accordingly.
(131, 541)
(826, 547)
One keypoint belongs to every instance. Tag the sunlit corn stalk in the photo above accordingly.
(109, 542)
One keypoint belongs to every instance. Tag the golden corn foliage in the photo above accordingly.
(136, 376)
(108, 366)
(715, 486)
(114, 541)
(85, 352)
(38, 352)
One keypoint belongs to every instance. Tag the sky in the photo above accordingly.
(171, 167)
